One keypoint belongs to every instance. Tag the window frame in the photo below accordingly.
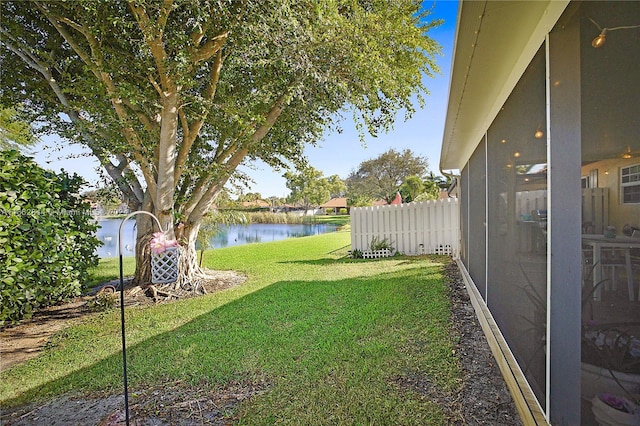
(630, 183)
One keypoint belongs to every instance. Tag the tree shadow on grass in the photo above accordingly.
(403, 259)
(281, 332)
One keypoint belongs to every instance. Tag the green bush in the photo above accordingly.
(357, 254)
(380, 244)
(47, 237)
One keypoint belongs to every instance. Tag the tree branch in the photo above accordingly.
(75, 26)
(94, 64)
(210, 48)
(184, 123)
(149, 124)
(56, 22)
(194, 129)
(165, 10)
(153, 38)
(116, 173)
(155, 85)
(196, 208)
(23, 52)
(198, 35)
(163, 193)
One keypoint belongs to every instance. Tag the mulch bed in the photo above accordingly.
(484, 399)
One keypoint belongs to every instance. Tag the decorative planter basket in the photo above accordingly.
(164, 266)
(609, 416)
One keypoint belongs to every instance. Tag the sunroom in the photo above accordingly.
(543, 132)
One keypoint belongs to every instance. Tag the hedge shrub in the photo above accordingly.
(47, 237)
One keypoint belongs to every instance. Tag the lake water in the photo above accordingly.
(233, 235)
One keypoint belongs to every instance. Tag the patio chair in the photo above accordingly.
(610, 259)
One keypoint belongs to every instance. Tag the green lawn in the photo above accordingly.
(340, 220)
(330, 335)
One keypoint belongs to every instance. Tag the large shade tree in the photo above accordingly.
(172, 96)
(14, 132)
(310, 188)
(382, 177)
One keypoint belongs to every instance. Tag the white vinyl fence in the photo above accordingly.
(429, 227)
(595, 207)
(527, 201)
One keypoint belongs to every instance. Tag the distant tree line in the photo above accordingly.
(380, 178)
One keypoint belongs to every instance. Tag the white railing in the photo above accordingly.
(429, 227)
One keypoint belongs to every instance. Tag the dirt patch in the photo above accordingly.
(483, 398)
(26, 340)
(170, 404)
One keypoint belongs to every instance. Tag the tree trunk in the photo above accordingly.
(145, 229)
(142, 275)
(189, 268)
(190, 275)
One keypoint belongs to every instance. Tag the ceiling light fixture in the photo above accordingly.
(539, 134)
(627, 154)
(601, 38)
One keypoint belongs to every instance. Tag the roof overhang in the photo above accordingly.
(335, 203)
(495, 42)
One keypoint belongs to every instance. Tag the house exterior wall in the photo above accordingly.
(608, 172)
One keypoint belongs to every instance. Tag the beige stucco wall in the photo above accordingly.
(609, 177)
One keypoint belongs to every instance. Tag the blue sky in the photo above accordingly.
(336, 153)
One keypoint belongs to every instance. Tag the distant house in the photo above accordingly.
(96, 209)
(334, 205)
(285, 208)
(257, 204)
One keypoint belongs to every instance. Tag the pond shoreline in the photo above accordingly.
(232, 235)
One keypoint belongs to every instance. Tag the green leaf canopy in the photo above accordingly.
(171, 96)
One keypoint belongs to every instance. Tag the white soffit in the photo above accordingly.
(495, 42)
